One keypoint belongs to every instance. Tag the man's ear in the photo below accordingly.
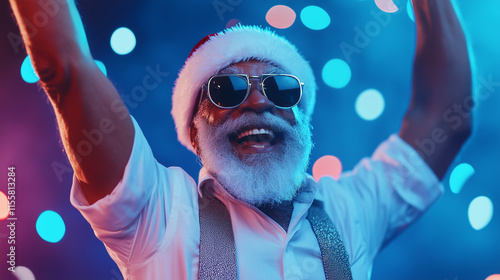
(193, 131)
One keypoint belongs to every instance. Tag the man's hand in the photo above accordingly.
(95, 126)
(438, 121)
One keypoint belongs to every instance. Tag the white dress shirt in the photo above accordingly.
(150, 222)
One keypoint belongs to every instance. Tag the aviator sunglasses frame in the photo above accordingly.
(247, 78)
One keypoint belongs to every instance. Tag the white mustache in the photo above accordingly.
(266, 119)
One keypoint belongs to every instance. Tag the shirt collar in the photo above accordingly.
(209, 185)
(203, 177)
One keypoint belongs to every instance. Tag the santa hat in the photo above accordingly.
(233, 45)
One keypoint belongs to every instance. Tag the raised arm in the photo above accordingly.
(438, 120)
(95, 126)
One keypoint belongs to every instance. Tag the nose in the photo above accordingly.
(256, 101)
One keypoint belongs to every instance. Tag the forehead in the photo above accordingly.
(252, 67)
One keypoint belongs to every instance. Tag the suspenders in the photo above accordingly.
(218, 251)
(333, 253)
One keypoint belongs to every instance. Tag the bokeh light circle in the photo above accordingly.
(123, 41)
(480, 212)
(315, 18)
(232, 22)
(459, 175)
(409, 10)
(280, 16)
(101, 66)
(336, 73)
(4, 206)
(327, 166)
(493, 277)
(370, 104)
(28, 72)
(387, 6)
(50, 226)
(23, 273)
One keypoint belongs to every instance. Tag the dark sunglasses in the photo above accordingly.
(231, 90)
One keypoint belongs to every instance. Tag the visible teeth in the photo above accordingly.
(255, 131)
(258, 146)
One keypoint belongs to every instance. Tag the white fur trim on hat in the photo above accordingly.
(230, 46)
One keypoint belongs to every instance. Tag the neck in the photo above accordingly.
(280, 213)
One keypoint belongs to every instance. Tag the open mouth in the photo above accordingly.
(255, 139)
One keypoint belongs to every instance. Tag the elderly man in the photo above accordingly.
(243, 103)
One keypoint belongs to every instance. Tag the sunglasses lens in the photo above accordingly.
(227, 91)
(283, 91)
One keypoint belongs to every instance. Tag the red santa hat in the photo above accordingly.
(233, 45)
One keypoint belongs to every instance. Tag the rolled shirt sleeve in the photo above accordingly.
(132, 220)
(379, 198)
(129, 197)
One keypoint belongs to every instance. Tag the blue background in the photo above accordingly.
(441, 245)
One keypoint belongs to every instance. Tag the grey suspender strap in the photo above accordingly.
(333, 253)
(218, 251)
(217, 248)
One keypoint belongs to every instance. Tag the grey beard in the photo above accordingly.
(271, 177)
